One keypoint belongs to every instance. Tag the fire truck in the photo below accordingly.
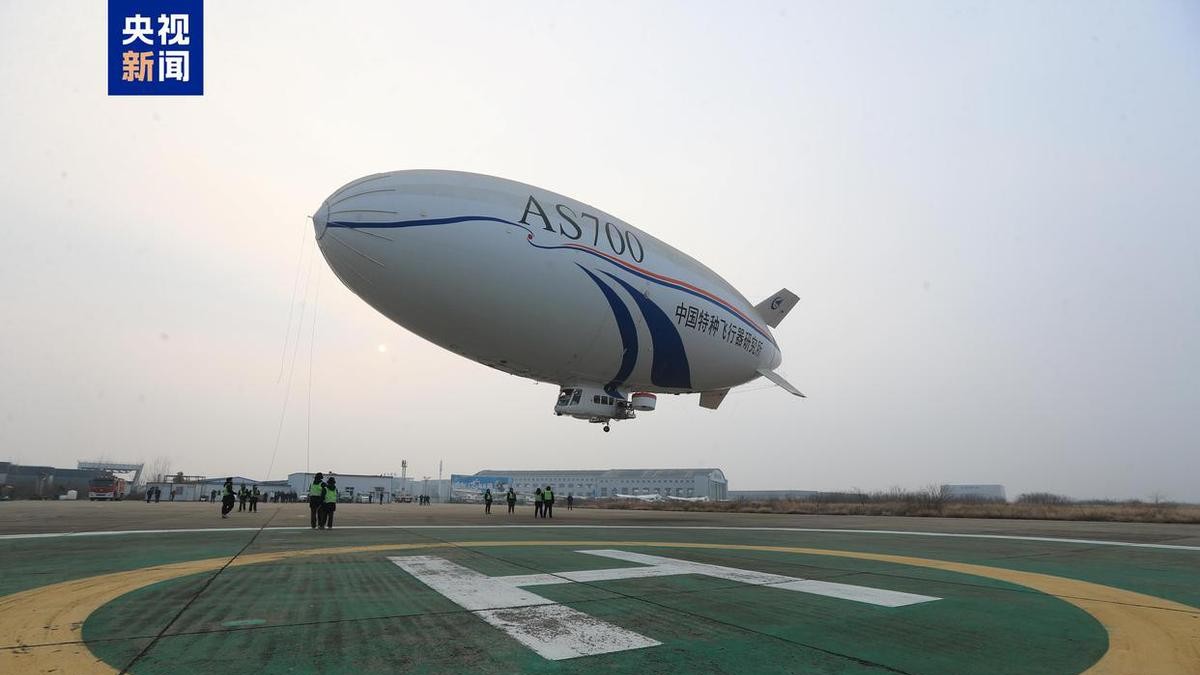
(106, 487)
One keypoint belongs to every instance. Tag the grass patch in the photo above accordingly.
(923, 504)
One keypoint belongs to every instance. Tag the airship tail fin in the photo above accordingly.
(712, 399)
(773, 309)
(778, 379)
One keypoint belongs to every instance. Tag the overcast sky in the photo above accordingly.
(989, 210)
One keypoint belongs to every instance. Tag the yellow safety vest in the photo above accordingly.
(314, 490)
(548, 496)
(538, 496)
(330, 495)
(228, 491)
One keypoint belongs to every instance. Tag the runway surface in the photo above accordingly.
(157, 588)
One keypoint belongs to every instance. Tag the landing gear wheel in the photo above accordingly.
(606, 428)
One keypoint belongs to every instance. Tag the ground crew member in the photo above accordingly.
(227, 498)
(254, 499)
(241, 495)
(548, 502)
(570, 502)
(538, 504)
(487, 500)
(149, 494)
(325, 519)
(316, 498)
(511, 498)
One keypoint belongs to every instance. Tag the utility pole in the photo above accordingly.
(439, 483)
(404, 476)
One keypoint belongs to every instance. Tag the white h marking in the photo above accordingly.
(664, 566)
(558, 632)
(552, 630)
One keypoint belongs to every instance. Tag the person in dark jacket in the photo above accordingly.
(227, 498)
(548, 502)
(511, 498)
(316, 498)
(487, 500)
(537, 503)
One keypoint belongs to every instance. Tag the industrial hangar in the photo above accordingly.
(602, 483)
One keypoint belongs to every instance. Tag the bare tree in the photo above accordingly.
(858, 493)
(1043, 498)
(159, 468)
(935, 497)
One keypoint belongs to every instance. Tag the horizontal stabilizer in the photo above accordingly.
(778, 379)
(712, 399)
(773, 309)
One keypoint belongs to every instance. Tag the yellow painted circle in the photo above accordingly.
(1146, 634)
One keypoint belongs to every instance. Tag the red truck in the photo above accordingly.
(106, 487)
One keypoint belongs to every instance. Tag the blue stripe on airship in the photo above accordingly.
(629, 339)
(670, 366)
(422, 223)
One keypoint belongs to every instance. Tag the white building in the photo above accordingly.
(603, 483)
(357, 486)
(988, 493)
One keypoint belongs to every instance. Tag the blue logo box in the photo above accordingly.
(155, 47)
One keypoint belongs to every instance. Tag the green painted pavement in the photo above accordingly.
(360, 612)
(1163, 573)
(30, 563)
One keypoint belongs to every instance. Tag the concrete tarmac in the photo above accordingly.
(160, 589)
(28, 517)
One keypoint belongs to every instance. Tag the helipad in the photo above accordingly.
(444, 589)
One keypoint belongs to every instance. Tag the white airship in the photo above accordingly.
(545, 287)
